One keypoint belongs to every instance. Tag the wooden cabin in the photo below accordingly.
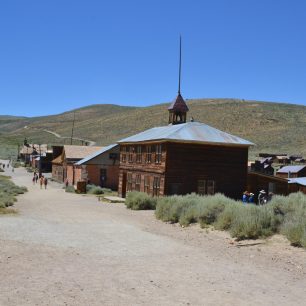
(62, 166)
(261, 181)
(182, 158)
(100, 168)
(292, 171)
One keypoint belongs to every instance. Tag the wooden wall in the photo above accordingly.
(258, 181)
(183, 164)
(226, 165)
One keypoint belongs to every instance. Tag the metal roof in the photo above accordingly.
(291, 169)
(97, 153)
(188, 132)
(79, 152)
(298, 180)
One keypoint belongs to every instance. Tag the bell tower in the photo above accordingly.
(178, 108)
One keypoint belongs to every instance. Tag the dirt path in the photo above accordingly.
(66, 249)
(57, 135)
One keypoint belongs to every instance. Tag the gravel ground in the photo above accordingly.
(67, 249)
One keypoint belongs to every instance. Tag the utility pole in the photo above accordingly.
(72, 130)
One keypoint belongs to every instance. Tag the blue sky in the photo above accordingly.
(57, 55)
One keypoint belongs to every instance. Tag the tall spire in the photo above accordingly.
(180, 66)
(178, 108)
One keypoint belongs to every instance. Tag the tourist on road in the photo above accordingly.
(33, 180)
(41, 181)
(36, 178)
(45, 182)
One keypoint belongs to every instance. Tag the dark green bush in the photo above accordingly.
(139, 201)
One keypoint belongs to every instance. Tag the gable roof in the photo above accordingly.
(32, 148)
(57, 160)
(187, 132)
(79, 152)
(95, 154)
(291, 169)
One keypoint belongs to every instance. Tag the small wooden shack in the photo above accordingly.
(260, 181)
(292, 171)
(100, 168)
(62, 166)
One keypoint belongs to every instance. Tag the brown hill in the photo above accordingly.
(273, 127)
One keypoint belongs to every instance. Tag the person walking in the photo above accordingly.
(36, 178)
(33, 180)
(41, 181)
(45, 182)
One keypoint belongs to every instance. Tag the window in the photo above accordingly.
(129, 186)
(131, 152)
(156, 186)
(138, 155)
(148, 155)
(147, 184)
(201, 187)
(137, 182)
(271, 187)
(158, 153)
(210, 187)
(206, 187)
(123, 154)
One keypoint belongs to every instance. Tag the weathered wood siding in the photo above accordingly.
(188, 163)
(141, 166)
(182, 165)
(277, 185)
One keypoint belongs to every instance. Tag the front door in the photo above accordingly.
(103, 177)
(123, 185)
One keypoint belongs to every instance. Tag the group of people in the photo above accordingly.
(263, 197)
(43, 181)
(8, 166)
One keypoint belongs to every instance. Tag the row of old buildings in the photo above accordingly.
(179, 158)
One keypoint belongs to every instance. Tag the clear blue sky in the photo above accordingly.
(56, 55)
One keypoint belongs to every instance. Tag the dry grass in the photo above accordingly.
(273, 127)
(6, 211)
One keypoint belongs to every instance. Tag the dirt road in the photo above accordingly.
(67, 249)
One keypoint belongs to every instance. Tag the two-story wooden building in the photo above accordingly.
(183, 157)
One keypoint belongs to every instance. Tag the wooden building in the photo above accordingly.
(62, 166)
(100, 168)
(182, 158)
(277, 185)
(292, 171)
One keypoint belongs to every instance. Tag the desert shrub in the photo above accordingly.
(95, 190)
(139, 201)
(89, 186)
(70, 189)
(9, 191)
(191, 208)
(17, 164)
(252, 222)
(295, 231)
(170, 209)
(106, 190)
(212, 208)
